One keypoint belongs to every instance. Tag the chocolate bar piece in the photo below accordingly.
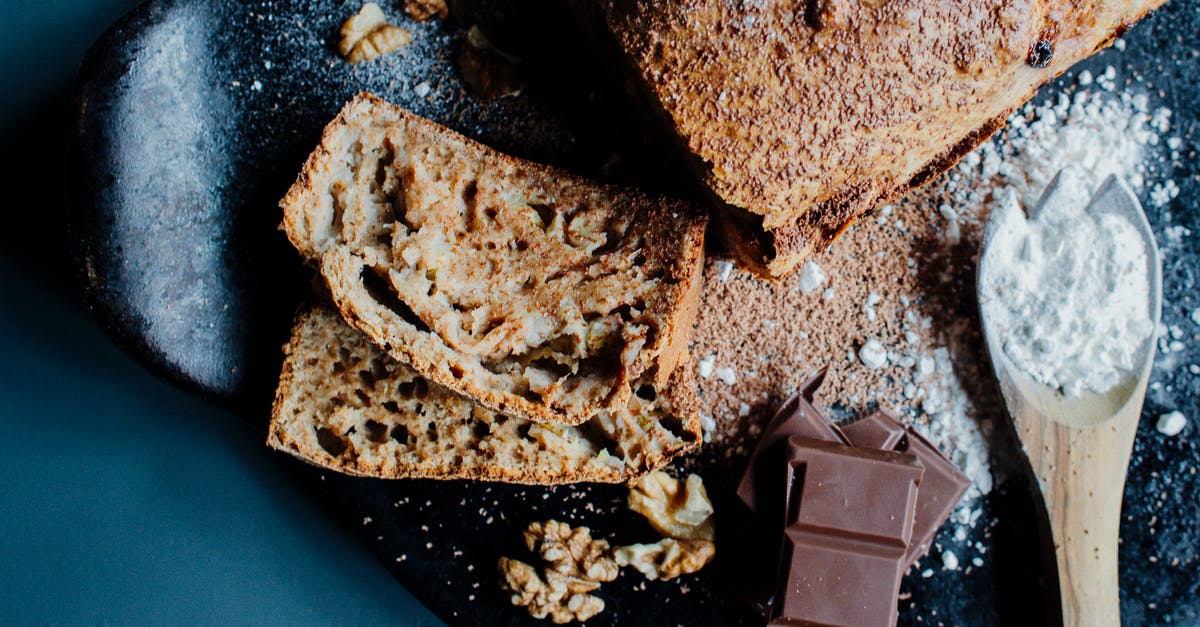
(941, 487)
(850, 514)
(795, 417)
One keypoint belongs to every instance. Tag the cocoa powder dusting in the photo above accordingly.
(901, 280)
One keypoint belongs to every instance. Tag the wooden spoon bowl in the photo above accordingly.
(1078, 447)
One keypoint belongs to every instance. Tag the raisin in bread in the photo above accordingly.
(533, 292)
(345, 405)
(802, 116)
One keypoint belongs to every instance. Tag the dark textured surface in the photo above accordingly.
(193, 118)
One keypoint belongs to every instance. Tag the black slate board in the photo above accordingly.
(194, 116)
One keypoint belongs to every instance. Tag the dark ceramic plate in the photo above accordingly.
(193, 118)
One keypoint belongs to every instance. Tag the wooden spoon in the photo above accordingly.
(1078, 447)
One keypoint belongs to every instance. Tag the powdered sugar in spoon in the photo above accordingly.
(1078, 445)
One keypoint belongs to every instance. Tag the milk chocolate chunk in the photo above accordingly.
(941, 488)
(849, 523)
(795, 417)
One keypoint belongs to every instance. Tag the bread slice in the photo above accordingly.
(800, 117)
(535, 293)
(345, 405)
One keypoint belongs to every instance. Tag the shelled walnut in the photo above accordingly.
(679, 510)
(368, 35)
(668, 558)
(571, 552)
(421, 10)
(558, 597)
(575, 565)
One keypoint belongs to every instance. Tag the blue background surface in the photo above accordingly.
(126, 500)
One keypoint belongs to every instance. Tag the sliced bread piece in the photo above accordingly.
(536, 293)
(345, 405)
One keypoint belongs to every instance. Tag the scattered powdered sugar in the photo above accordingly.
(1067, 290)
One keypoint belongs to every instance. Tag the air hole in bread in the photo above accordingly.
(416, 387)
(601, 365)
(552, 366)
(377, 432)
(380, 290)
(400, 434)
(675, 426)
(596, 437)
(383, 167)
(337, 193)
(470, 199)
(431, 432)
(647, 392)
(531, 395)
(362, 397)
(330, 441)
(391, 406)
(545, 214)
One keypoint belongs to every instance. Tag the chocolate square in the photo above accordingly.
(849, 522)
(941, 488)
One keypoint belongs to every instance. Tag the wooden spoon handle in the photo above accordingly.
(1081, 472)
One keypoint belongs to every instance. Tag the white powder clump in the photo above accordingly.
(872, 354)
(812, 277)
(1171, 423)
(1066, 291)
(724, 269)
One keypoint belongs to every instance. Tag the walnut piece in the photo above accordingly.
(368, 35)
(668, 558)
(679, 510)
(575, 564)
(487, 71)
(561, 598)
(571, 552)
(421, 10)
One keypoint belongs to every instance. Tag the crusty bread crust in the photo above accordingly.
(775, 254)
(536, 293)
(804, 116)
(345, 405)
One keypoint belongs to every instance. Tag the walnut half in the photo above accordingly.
(556, 596)
(679, 510)
(575, 565)
(668, 558)
(368, 35)
(571, 552)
